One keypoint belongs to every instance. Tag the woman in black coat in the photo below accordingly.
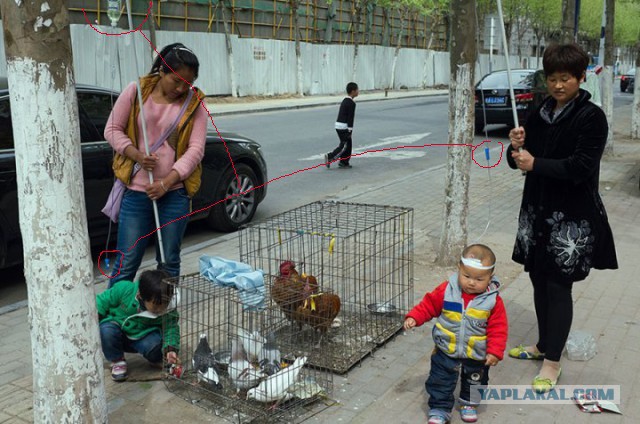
(563, 230)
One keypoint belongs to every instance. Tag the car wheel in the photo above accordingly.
(241, 200)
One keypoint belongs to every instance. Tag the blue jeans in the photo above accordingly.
(443, 378)
(115, 343)
(136, 220)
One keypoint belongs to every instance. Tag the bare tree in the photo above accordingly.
(68, 376)
(227, 38)
(607, 72)
(461, 114)
(294, 4)
(635, 112)
(568, 21)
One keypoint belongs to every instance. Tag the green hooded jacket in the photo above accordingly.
(120, 305)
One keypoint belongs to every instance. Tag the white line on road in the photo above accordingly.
(394, 154)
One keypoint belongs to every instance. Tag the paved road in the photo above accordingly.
(293, 140)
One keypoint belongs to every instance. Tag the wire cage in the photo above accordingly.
(361, 253)
(273, 385)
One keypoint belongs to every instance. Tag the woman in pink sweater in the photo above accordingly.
(176, 127)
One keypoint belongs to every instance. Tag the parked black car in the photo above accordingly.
(493, 102)
(627, 81)
(94, 106)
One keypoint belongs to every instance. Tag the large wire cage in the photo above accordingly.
(362, 253)
(273, 385)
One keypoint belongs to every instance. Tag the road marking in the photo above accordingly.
(393, 154)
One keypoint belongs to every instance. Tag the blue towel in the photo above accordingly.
(228, 273)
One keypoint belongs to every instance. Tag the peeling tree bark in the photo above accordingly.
(568, 21)
(294, 4)
(461, 115)
(68, 377)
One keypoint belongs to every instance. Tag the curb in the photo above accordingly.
(320, 103)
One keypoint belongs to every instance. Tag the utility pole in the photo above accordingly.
(68, 376)
(462, 59)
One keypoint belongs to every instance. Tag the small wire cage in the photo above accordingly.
(273, 385)
(361, 253)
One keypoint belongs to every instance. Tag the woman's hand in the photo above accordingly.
(148, 163)
(156, 190)
(523, 159)
(516, 135)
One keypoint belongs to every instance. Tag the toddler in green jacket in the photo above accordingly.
(131, 318)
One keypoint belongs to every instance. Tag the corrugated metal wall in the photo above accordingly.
(262, 67)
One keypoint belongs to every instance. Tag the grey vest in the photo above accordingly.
(462, 333)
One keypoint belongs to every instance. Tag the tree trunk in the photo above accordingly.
(68, 376)
(152, 33)
(635, 111)
(568, 21)
(403, 23)
(331, 15)
(296, 29)
(385, 27)
(607, 73)
(356, 29)
(232, 66)
(461, 114)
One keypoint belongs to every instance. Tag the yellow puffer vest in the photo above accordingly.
(123, 166)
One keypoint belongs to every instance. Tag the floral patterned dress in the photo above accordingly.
(563, 227)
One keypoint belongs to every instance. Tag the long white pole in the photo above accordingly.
(144, 133)
(506, 55)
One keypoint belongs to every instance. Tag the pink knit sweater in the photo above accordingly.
(158, 117)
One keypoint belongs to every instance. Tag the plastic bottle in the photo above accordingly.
(114, 11)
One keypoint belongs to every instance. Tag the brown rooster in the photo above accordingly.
(290, 289)
(317, 310)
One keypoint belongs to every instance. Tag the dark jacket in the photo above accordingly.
(563, 227)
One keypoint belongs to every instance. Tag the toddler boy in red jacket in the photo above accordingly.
(470, 333)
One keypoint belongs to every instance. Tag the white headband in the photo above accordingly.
(475, 263)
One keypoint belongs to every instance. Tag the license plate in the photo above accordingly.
(495, 100)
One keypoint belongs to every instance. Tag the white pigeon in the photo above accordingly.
(276, 387)
(242, 373)
(252, 343)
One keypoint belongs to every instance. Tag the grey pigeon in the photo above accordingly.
(204, 362)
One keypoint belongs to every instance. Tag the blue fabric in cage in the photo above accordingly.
(228, 273)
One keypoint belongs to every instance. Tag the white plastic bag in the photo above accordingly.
(581, 346)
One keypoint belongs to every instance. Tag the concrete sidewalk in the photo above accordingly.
(388, 386)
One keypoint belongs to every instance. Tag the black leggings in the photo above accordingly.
(554, 310)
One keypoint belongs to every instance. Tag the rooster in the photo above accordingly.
(290, 289)
(317, 310)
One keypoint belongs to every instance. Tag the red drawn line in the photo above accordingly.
(122, 33)
(202, 103)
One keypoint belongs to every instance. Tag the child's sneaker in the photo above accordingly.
(468, 413)
(435, 418)
(119, 370)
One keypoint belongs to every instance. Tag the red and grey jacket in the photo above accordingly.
(468, 325)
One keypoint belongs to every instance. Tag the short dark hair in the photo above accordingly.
(154, 289)
(480, 252)
(175, 57)
(351, 87)
(565, 58)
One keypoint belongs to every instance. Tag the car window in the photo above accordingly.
(88, 132)
(6, 129)
(499, 79)
(98, 107)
